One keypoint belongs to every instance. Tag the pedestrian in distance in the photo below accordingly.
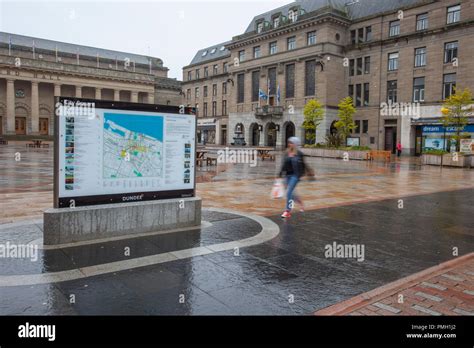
(293, 168)
(399, 149)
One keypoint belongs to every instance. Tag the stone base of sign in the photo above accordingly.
(69, 225)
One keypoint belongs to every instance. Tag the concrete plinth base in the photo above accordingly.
(69, 225)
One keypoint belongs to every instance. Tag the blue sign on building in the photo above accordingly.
(440, 129)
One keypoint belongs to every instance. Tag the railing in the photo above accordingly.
(267, 110)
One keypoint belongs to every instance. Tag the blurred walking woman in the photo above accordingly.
(293, 167)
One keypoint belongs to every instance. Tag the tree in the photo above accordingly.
(313, 116)
(345, 125)
(456, 110)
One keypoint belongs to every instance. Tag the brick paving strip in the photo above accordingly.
(445, 289)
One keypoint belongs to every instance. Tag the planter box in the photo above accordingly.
(466, 161)
(330, 153)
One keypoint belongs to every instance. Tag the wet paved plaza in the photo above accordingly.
(287, 273)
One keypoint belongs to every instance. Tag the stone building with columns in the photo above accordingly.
(33, 71)
(380, 53)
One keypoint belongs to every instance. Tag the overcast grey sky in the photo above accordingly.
(170, 30)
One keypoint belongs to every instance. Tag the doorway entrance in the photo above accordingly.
(254, 135)
(271, 134)
(391, 139)
(43, 126)
(289, 131)
(20, 125)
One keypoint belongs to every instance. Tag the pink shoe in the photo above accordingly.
(286, 214)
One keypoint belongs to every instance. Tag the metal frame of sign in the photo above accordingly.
(65, 202)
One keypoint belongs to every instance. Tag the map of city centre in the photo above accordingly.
(133, 146)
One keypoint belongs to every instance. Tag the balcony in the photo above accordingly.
(269, 111)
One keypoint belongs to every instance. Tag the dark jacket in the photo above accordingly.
(294, 165)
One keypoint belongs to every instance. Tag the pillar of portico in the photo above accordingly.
(116, 95)
(98, 93)
(151, 98)
(134, 97)
(10, 106)
(57, 90)
(78, 91)
(34, 108)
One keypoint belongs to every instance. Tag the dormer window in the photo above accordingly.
(259, 27)
(213, 50)
(222, 48)
(293, 15)
(204, 53)
(276, 22)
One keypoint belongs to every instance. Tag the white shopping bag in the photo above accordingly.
(277, 189)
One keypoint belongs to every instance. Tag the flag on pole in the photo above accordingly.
(56, 53)
(10, 46)
(262, 95)
(150, 66)
(34, 55)
(268, 90)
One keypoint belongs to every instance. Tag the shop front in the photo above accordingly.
(206, 131)
(438, 137)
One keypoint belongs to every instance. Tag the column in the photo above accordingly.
(10, 106)
(98, 93)
(57, 90)
(34, 108)
(134, 98)
(78, 91)
(151, 98)
(116, 95)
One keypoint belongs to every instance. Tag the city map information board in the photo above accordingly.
(114, 152)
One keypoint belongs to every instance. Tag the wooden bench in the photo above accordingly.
(211, 160)
(377, 154)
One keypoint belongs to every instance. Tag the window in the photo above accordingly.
(188, 94)
(293, 15)
(368, 34)
(206, 71)
(259, 27)
(224, 88)
(359, 66)
(365, 126)
(422, 22)
(394, 28)
(393, 61)
(366, 94)
(190, 75)
(198, 73)
(214, 108)
(240, 88)
(352, 67)
(204, 53)
(215, 69)
(290, 81)
(353, 37)
(204, 110)
(273, 47)
(257, 52)
(204, 91)
(291, 43)
(272, 74)
(420, 57)
(450, 51)
(276, 22)
(214, 90)
(311, 38)
(213, 50)
(224, 107)
(360, 35)
(255, 85)
(392, 91)
(196, 92)
(241, 56)
(449, 85)
(357, 127)
(351, 91)
(310, 78)
(358, 95)
(224, 67)
(454, 14)
(419, 89)
(367, 65)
